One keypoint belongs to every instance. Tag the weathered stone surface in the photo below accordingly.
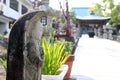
(25, 56)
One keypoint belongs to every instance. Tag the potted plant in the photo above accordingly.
(54, 60)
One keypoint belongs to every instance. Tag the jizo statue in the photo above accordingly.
(25, 56)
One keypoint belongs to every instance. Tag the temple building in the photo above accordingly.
(89, 22)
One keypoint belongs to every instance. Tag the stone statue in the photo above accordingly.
(25, 56)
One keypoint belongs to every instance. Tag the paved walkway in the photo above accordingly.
(96, 59)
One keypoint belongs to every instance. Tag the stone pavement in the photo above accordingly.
(96, 59)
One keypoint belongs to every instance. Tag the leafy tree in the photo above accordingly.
(72, 16)
(115, 15)
(108, 9)
(97, 9)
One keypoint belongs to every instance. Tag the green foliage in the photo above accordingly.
(72, 17)
(4, 64)
(63, 19)
(53, 56)
(68, 47)
(108, 9)
(114, 32)
(108, 4)
(115, 15)
(98, 9)
(11, 26)
(48, 30)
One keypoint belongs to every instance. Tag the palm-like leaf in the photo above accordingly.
(53, 56)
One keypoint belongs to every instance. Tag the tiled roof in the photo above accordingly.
(92, 17)
(82, 14)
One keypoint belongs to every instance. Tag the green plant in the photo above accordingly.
(4, 64)
(53, 56)
(68, 47)
(108, 8)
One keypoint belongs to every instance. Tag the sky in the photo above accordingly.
(75, 3)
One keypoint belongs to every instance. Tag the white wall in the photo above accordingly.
(2, 28)
(11, 13)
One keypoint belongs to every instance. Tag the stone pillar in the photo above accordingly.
(95, 31)
(104, 32)
(25, 56)
(110, 34)
(99, 34)
(79, 30)
(118, 31)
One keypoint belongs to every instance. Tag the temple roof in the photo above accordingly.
(83, 17)
(92, 17)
